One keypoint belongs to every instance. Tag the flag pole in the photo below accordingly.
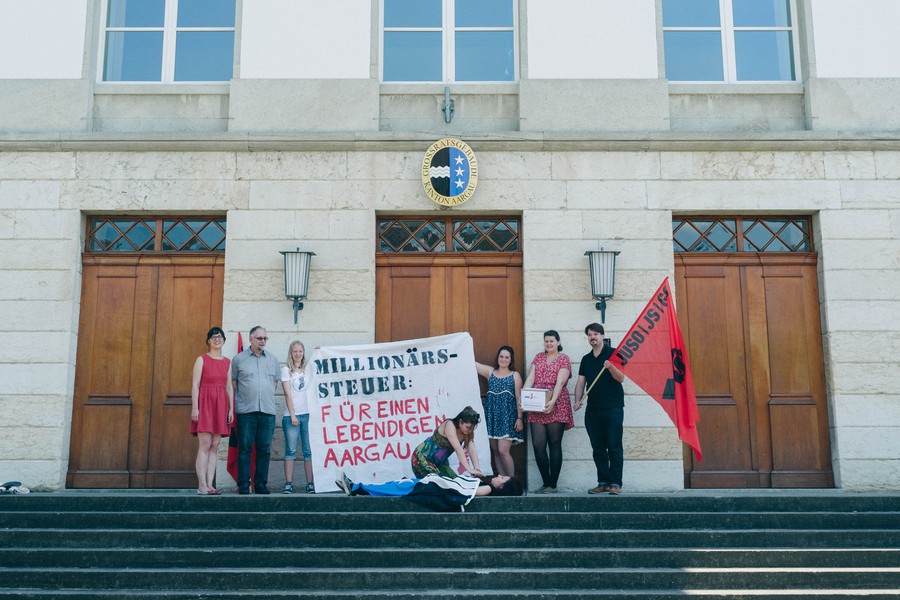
(590, 387)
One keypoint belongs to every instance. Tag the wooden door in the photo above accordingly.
(751, 324)
(143, 322)
(421, 296)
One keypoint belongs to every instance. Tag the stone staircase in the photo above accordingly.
(155, 544)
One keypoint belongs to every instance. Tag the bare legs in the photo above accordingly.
(502, 458)
(289, 470)
(207, 446)
(307, 467)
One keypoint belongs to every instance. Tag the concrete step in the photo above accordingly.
(454, 580)
(285, 537)
(475, 558)
(394, 521)
(179, 545)
(490, 594)
(175, 501)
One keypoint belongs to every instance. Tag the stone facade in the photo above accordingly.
(570, 200)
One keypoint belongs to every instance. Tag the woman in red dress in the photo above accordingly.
(212, 408)
(550, 370)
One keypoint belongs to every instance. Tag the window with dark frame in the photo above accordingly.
(397, 235)
(741, 234)
(155, 234)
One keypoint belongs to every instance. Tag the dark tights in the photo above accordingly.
(546, 437)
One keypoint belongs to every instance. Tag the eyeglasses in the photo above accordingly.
(217, 337)
(260, 339)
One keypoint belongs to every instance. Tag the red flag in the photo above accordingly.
(231, 465)
(652, 354)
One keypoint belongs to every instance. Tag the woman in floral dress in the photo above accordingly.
(550, 370)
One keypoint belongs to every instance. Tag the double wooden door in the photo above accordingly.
(751, 324)
(426, 295)
(143, 323)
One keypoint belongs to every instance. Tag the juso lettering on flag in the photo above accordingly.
(652, 354)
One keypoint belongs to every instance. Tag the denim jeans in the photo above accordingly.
(604, 428)
(254, 428)
(295, 433)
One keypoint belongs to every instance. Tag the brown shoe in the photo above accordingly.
(600, 489)
(615, 490)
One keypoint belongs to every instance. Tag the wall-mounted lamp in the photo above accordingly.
(296, 276)
(603, 277)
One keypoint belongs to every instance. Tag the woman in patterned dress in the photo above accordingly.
(550, 370)
(452, 436)
(502, 413)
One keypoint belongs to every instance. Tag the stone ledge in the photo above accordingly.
(662, 141)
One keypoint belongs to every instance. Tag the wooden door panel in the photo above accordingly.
(822, 475)
(713, 328)
(719, 426)
(103, 450)
(788, 352)
(383, 303)
(795, 439)
(489, 307)
(797, 443)
(455, 297)
(403, 303)
(189, 303)
(82, 437)
(754, 342)
(173, 449)
(758, 373)
(110, 404)
(495, 307)
(421, 296)
(797, 406)
(113, 321)
(443, 312)
(142, 323)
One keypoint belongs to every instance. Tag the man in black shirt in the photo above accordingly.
(605, 411)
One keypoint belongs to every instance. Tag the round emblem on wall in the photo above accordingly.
(449, 172)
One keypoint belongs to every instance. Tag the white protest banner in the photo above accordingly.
(370, 406)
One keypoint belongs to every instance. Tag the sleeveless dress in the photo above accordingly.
(212, 400)
(500, 411)
(545, 378)
(431, 456)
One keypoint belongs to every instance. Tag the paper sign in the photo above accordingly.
(535, 400)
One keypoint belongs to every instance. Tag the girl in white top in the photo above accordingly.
(295, 422)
